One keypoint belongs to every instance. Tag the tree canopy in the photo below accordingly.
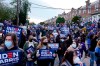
(6, 12)
(76, 19)
(24, 9)
(42, 23)
(60, 20)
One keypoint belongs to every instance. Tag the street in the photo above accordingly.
(86, 61)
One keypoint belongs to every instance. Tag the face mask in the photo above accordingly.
(8, 44)
(62, 40)
(74, 46)
(45, 43)
(30, 40)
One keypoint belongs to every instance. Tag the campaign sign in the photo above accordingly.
(9, 58)
(13, 29)
(30, 50)
(54, 46)
(46, 54)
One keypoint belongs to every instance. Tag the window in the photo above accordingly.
(96, 7)
(84, 11)
(89, 9)
(79, 11)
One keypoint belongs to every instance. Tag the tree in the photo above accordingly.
(60, 20)
(32, 23)
(24, 8)
(76, 20)
(42, 23)
(6, 12)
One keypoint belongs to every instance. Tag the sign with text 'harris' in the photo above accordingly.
(9, 58)
(46, 54)
(13, 29)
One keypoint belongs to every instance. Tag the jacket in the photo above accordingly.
(26, 46)
(21, 59)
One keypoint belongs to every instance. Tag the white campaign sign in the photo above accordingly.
(54, 45)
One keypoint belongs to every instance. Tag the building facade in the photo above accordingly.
(89, 12)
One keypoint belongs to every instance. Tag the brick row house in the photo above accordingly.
(89, 12)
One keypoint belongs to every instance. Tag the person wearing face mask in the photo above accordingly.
(43, 45)
(31, 57)
(11, 45)
(74, 47)
(51, 40)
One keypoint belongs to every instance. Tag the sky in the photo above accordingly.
(39, 14)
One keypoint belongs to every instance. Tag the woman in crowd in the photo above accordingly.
(97, 53)
(71, 59)
(62, 48)
(51, 40)
(68, 59)
(31, 56)
(43, 45)
(11, 44)
(75, 47)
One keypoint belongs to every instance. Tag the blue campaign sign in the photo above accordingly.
(54, 46)
(10, 58)
(46, 54)
(13, 29)
(30, 50)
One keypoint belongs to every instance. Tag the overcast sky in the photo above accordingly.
(38, 14)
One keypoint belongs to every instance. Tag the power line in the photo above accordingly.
(47, 7)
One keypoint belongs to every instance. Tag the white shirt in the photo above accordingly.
(76, 60)
(31, 44)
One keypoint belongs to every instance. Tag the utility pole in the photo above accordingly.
(18, 10)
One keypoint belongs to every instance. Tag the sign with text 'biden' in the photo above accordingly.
(13, 29)
(9, 58)
(30, 50)
(46, 54)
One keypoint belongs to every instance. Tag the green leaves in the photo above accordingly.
(24, 9)
(42, 23)
(60, 20)
(6, 12)
(76, 19)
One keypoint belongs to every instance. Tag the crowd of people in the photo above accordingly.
(71, 46)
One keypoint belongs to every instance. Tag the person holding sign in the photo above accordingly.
(12, 55)
(54, 46)
(44, 53)
(30, 51)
